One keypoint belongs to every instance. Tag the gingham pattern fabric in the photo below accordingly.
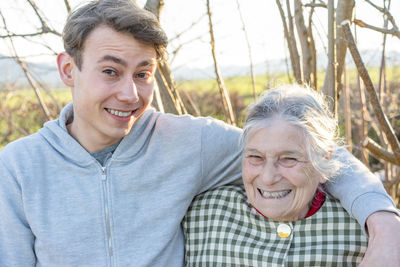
(222, 229)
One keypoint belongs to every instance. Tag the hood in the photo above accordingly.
(56, 134)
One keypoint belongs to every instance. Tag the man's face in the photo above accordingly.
(112, 89)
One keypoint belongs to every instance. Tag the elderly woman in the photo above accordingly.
(282, 216)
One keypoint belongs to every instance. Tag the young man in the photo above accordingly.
(108, 183)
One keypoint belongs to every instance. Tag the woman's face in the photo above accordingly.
(278, 178)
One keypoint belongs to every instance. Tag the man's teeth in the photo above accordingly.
(277, 194)
(119, 113)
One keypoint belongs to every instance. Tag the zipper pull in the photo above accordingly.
(103, 173)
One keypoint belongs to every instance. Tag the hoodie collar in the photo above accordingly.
(56, 133)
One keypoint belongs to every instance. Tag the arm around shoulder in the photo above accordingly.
(221, 154)
(384, 240)
(360, 192)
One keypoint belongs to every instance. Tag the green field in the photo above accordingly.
(21, 114)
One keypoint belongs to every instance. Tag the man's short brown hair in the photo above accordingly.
(120, 15)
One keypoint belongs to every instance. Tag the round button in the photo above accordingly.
(284, 230)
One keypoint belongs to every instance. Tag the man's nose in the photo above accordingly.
(128, 91)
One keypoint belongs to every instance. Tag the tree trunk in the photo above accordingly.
(380, 115)
(329, 88)
(171, 100)
(291, 41)
(314, 73)
(302, 32)
(344, 11)
(222, 89)
(347, 110)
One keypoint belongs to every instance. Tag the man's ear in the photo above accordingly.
(66, 65)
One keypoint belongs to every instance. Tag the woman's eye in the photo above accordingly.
(254, 159)
(287, 161)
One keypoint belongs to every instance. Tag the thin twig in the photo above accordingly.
(67, 6)
(188, 28)
(23, 35)
(230, 117)
(253, 78)
(380, 115)
(27, 74)
(378, 152)
(393, 31)
(314, 5)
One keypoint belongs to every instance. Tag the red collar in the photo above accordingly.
(318, 201)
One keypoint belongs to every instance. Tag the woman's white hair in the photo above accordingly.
(307, 110)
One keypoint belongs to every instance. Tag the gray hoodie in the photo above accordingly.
(60, 207)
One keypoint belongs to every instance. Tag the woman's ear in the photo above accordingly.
(66, 65)
(329, 154)
(322, 180)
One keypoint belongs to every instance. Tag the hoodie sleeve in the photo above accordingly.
(16, 237)
(220, 154)
(360, 192)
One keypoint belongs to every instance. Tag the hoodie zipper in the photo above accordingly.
(106, 210)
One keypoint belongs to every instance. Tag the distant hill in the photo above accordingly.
(48, 73)
(44, 72)
(371, 58)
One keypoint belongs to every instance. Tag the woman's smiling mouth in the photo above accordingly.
(275, 194)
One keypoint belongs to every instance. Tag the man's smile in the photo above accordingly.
(120, 113)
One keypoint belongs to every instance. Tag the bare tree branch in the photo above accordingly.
(302, 33)
(177, 49)
(329, 87)
(155, 7)
(393, 31)
(27, 74)
(344, 11)
(378, 152)
(291, 42)
(13, 124)
(45, 26)
(313, 5)
(67, 6)
(222, 89)
(253, 78)
(165, 81)
(380, 115)
(314, 73)
(23, 35)
(188, 28)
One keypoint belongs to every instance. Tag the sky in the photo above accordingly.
(261, 18)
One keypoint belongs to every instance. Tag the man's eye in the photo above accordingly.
(109, 72)
(143, 75)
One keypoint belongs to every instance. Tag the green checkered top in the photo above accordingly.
(222, 229)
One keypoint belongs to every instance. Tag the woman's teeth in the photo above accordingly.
(277, 194)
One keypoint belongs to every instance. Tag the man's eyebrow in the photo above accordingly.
(150, 62)
(114, 59)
